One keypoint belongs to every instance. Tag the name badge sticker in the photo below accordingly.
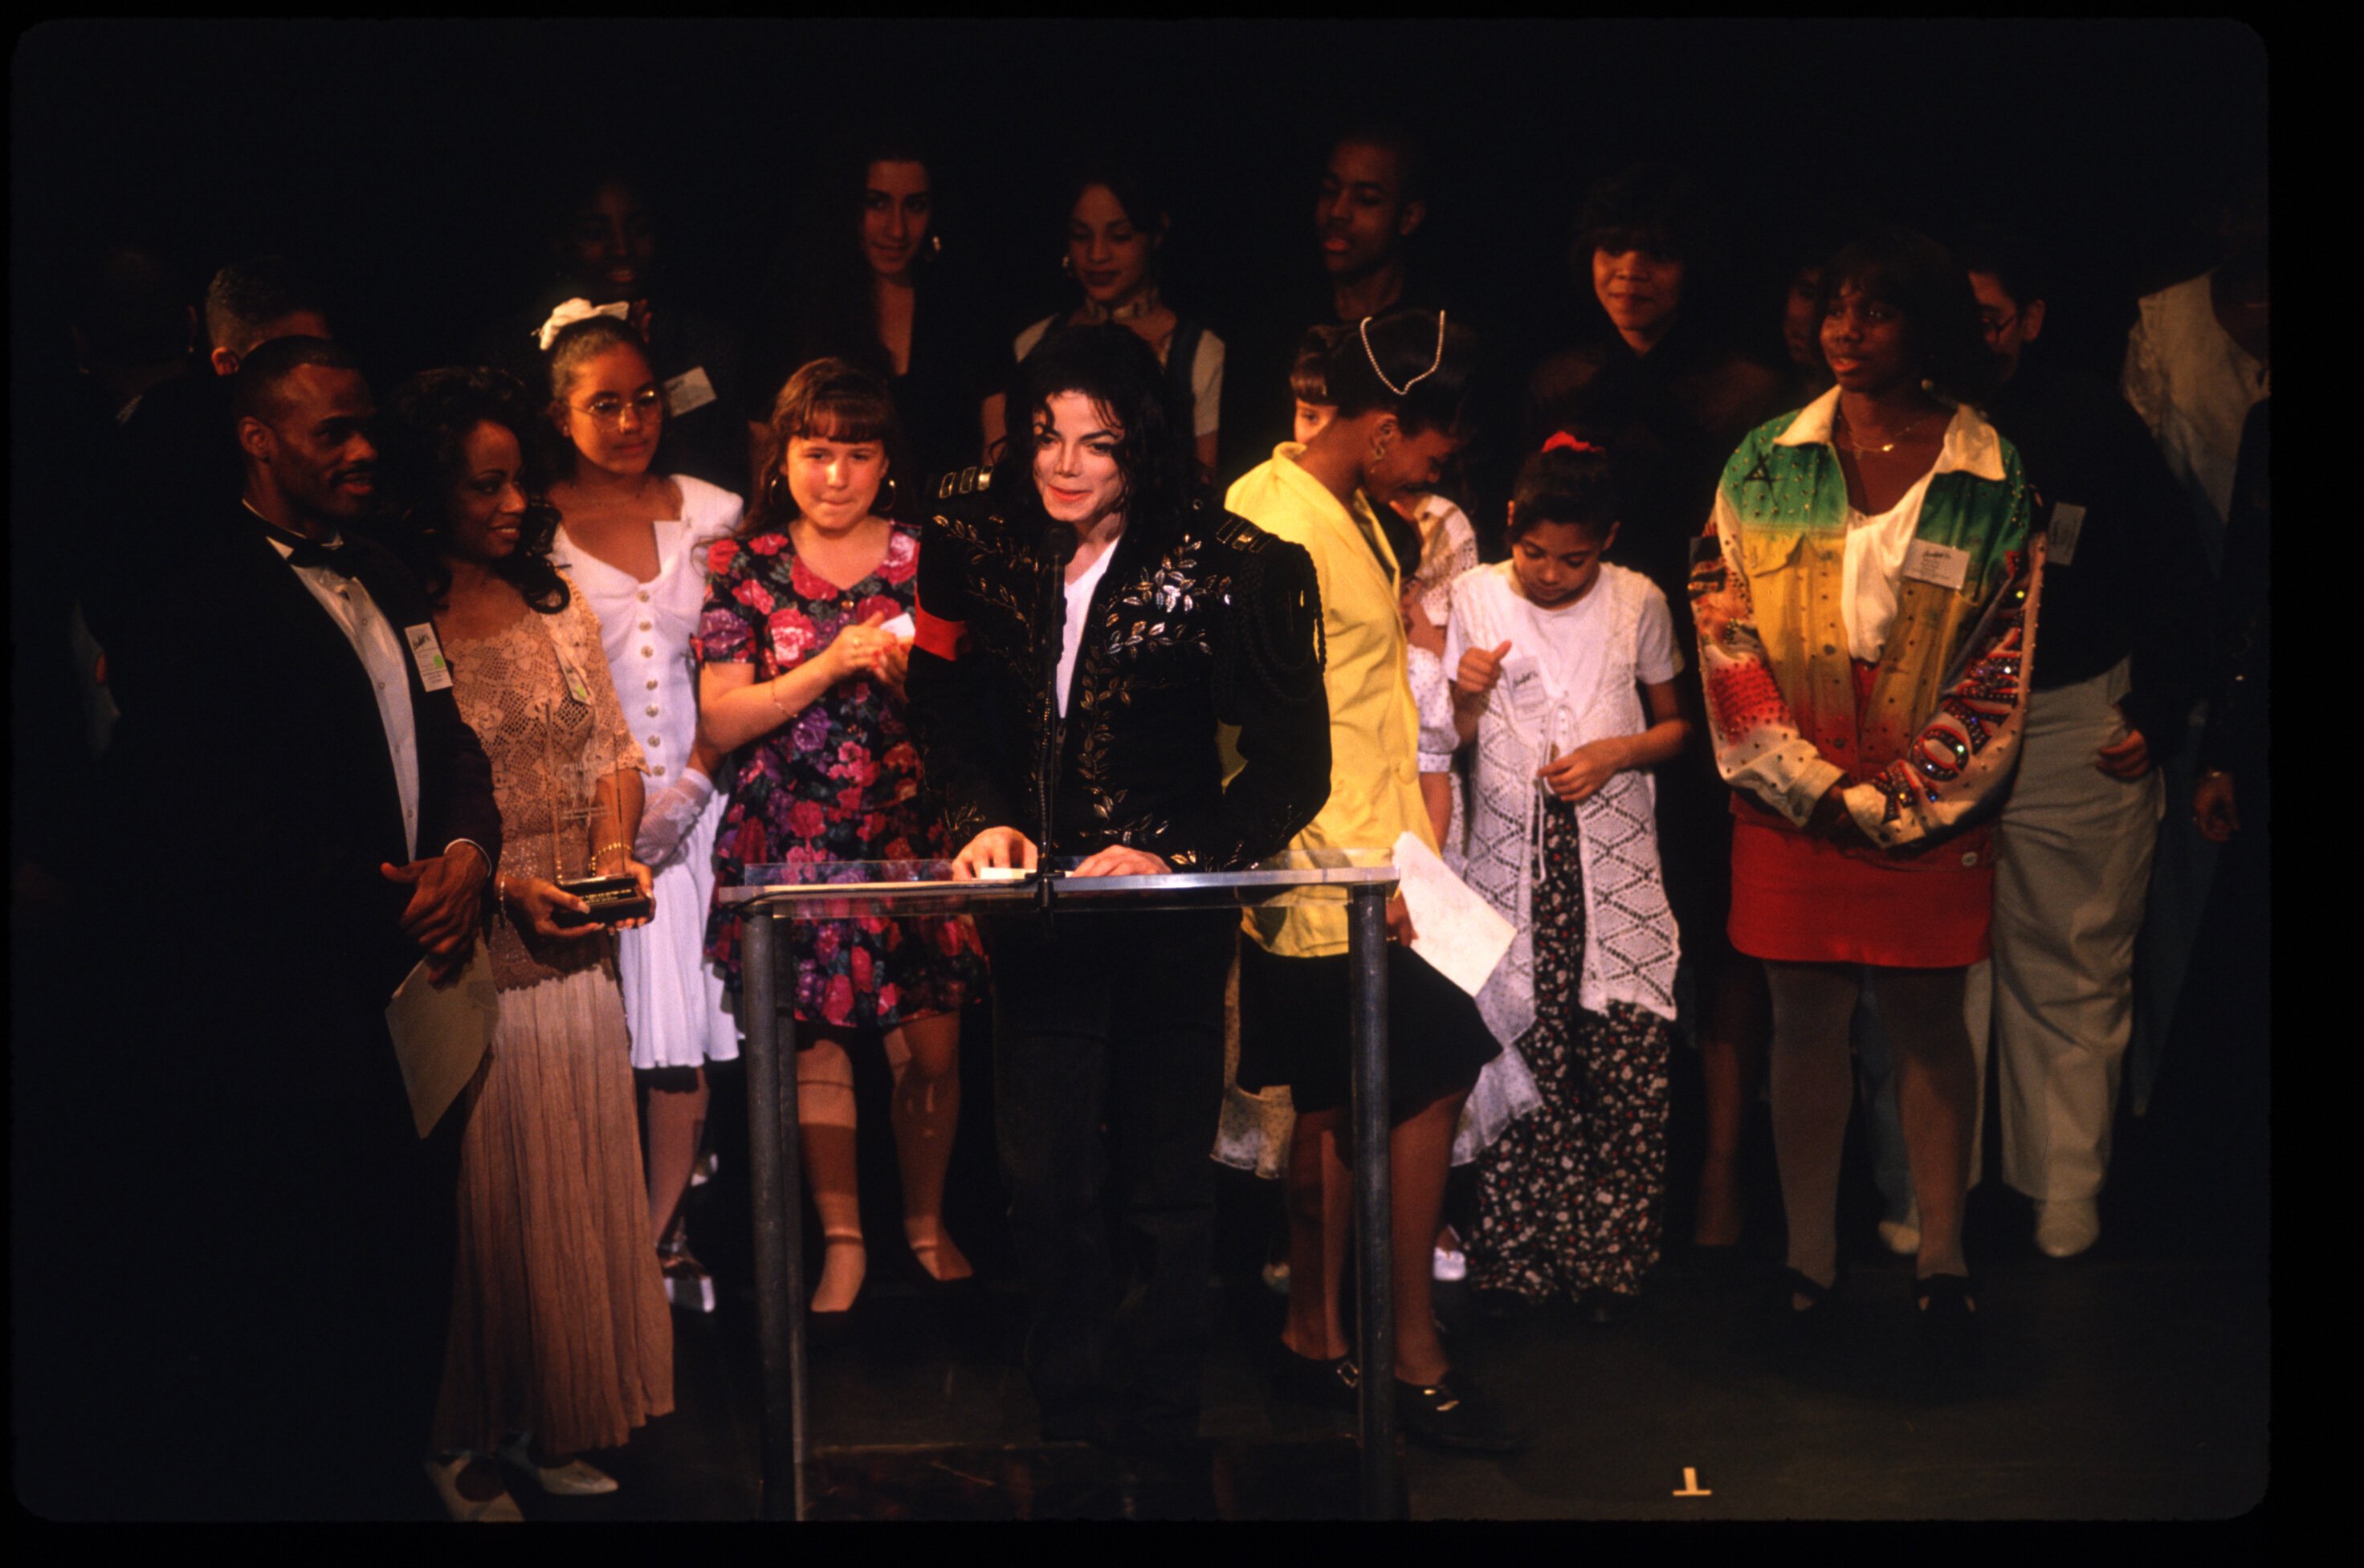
(1523, 684)
(1939, 563)
(688, 390)
(426, 653)
(2067, 522)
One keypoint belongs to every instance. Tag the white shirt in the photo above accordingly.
(1448, 547)
(1873, 567)
(645, 628)
(380, 649)
(2194, 387)
(1070, 636)
(1569, 648)
(1876, 547)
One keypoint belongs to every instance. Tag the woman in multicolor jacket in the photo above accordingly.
(1865, 622)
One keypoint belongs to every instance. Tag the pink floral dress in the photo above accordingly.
(838, 781)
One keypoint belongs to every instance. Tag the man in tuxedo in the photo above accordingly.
(294, 815)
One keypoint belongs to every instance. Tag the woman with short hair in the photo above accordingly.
(1865, 633)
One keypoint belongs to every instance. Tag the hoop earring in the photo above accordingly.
(893, 495)
(1068, 265)
(935, 244)
(771, 490)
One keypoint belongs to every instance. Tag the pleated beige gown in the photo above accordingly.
(559, 1322)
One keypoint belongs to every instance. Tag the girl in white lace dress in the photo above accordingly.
(1563, 670)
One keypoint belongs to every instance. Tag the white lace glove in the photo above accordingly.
(667, 816)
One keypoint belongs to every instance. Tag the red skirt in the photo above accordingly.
(1801, 900)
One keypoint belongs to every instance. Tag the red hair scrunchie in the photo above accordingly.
(1560, 440)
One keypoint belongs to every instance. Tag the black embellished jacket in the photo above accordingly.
(1215, 623)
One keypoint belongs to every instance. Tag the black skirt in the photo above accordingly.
(1294, 1030)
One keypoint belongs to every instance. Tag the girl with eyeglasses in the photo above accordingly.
(634, 541)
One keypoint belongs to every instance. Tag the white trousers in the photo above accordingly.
(2072, 870)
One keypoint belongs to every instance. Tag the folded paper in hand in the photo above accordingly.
(902, 626)
(440, 1033)
(1460, 935)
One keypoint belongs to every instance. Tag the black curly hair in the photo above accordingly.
(421, 450)
(1420, 351)
(1109, 363)
(1906, 269)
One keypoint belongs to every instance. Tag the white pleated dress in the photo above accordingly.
(673, 996)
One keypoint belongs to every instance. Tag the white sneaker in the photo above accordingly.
(498, 1508)
(1450, 1266)
(1902, 1237)
(572, 1479)
(2066, 1227)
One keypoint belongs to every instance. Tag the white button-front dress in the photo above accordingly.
(673, 996)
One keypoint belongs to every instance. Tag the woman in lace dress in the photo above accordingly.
(1556, 655)
(560, 1340)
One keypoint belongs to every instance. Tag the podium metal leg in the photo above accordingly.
(1366, 950)
(775, 1173)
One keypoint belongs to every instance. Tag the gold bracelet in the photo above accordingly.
(618, 845)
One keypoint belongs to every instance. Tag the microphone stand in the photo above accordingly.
(1049, 612)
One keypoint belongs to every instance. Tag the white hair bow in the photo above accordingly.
(575, 310)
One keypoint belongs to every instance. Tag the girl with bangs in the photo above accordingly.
(801, 676)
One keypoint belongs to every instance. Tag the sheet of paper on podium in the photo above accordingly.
(440, 1033)
(1459, 933)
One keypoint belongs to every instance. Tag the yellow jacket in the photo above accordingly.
(1373, 725)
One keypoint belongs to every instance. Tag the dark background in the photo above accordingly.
(400, 158)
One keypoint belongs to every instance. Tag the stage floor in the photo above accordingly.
(2116, 1388)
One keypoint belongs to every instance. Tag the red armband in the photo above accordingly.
(938, 636)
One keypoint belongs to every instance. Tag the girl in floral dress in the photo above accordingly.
(800, 676)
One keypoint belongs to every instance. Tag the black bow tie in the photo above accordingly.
(302, 551)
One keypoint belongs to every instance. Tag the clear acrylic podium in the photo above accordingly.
(1359, 879)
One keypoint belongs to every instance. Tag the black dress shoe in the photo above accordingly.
(1451, 1412)
(827, 1332)
(1948, 1333)
(1335, 1385)
(1785, 1332)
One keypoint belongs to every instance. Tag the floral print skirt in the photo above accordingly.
(1571, 1198)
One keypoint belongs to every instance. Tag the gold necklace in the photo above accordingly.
(1859, 448)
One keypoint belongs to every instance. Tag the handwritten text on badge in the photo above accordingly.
(1939, 563)
(428, 655)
